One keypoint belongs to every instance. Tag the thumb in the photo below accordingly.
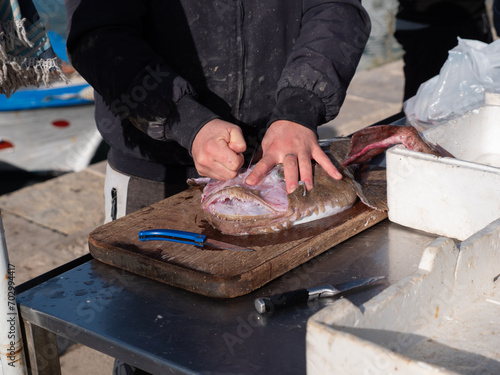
(237, 141)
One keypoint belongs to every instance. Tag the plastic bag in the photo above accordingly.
(472, 68)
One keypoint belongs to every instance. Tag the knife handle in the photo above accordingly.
(173, 235)
(280, 301)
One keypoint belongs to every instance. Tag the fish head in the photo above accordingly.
(235, 207)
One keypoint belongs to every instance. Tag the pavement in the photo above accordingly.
(47, 224)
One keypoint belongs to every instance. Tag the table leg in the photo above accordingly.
(43, 352)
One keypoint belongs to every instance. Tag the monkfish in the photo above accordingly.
(235, 208)
(373, 140)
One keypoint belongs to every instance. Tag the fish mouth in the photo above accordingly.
(241, 203)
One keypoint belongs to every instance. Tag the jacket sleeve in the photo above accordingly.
(322, 62)
(105, 45)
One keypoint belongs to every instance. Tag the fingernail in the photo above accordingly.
(292, 188)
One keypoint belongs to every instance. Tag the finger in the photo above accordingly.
(306, 173)
(259, 171)
(228, 158)
(237, 141)
(325, 162)
(224, 175)
(231, 167)
(226, 169)
(233, 148)
(223, 164)
(217, 172)
(291, 171)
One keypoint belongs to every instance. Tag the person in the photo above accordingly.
(496, 16)
(427, 30)
(186, 88)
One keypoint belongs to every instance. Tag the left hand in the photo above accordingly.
(295, 146)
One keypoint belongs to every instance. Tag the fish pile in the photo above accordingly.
(235, 208)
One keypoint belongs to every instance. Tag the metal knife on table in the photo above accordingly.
(190, 238)
(280, 301)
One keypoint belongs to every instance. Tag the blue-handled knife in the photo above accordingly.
(190, 238)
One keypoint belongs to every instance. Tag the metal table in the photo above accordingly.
(163, 329)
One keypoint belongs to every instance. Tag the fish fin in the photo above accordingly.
(375, 196)
(373, 140)
(371, 193)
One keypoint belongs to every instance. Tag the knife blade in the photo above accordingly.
(190, 238)
(282, 300)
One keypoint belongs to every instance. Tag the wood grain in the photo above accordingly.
(218, 273)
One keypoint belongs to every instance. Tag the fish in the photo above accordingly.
(236, 208)
(374, 140)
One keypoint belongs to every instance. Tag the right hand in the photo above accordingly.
(218, 150)
(295, 146)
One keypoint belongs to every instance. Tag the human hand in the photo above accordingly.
(295, 146)
(217, 150)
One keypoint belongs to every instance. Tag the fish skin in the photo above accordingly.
(373, 140)
(328, 197)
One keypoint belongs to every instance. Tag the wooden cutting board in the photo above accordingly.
(218, 273)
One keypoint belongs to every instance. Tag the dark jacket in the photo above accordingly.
(164, 68)
(441, 12)
(496, 15)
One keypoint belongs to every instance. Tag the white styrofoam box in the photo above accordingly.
(443, 319)
(447, 196)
